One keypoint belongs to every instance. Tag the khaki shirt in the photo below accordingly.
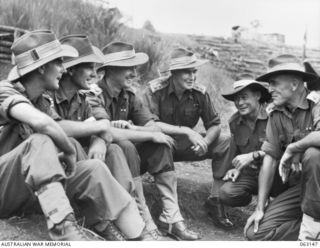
(13, 131)
(285, 127)
(163, 102)
(245, 139)
(126, 106)
(77, 109)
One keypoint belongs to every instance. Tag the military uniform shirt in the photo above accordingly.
(127, 106)
(285, 127)
(163, 102)
(77, 109)
(13, 131)
(245, 139)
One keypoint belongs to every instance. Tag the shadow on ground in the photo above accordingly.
(194, 182)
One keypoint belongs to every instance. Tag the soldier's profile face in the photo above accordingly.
(82, 74)
(247, 101)
(185, 78)
(281, 89)
(52, 74)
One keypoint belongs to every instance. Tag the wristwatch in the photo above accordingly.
(256, 156)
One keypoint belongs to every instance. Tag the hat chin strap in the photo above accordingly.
(29, 57)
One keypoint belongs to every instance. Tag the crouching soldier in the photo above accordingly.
(294, 115)
(38, 161)
(247, 127)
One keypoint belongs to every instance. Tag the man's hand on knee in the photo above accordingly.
(232, 175)
(254, 219)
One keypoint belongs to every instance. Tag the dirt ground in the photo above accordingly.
(193, 186)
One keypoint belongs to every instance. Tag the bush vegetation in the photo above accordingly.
(103, 25)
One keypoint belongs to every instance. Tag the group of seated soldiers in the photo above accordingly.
(71, 149)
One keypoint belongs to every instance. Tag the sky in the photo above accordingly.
(216, 17)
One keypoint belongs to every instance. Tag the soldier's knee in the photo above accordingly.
(231, 197)
(125, 144)
(95, 166)
(163, 149)
(40, 140)
(224, 139)
(251, 236)
(311, 157)
(114, 148)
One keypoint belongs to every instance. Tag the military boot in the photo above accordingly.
(69, 230)
(110, 232)
(217, 214)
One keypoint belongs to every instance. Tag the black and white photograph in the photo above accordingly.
(159, 120)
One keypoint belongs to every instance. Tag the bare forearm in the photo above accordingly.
(42, 123)
(58, 136)
(266, 176)
(311, 140)
(212, 133)
(171, 129)
(78, 129)
(119, 134)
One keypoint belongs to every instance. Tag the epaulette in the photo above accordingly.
(270, 108)
(158, 84)
(314, 96)
(199, 87)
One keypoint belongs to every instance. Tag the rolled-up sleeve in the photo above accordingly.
(9, 97)
(97, 108)
(141, 113)
(271, 145)
(151, 101)
(209, 114)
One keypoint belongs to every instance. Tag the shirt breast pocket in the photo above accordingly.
(167, 114)
(191, 116)
(241, 141)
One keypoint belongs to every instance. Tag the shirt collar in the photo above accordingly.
(302, 104)
(262, 115)
(60, 95)
(103, 84)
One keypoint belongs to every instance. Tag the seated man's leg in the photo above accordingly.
(239, 193)
(220, 151)
(119, 168)
(183, 151)
(133, 161)
(282, 218)
(310, 226)
(101, 199)
(28, 170)
(157, 160)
